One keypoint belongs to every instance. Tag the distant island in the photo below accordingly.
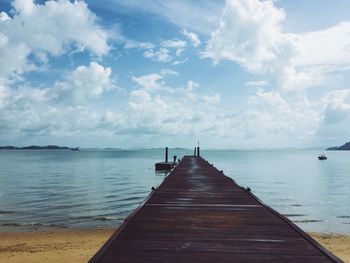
(36, 147)
(345, 147)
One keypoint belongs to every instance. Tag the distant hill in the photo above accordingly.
(35, 147)
(345, 147)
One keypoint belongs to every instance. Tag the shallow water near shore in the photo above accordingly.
(98, 189)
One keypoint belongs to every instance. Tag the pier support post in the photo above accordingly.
(198, 151)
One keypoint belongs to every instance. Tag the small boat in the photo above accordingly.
(75, 149)
(322, 157)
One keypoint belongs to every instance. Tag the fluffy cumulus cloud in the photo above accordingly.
(272, 119)
(149, 82)
(60, 110)
(336, 41)
(250, 34)
(48, 29)
(162, 112)
(84, 83)
(32, 35)
(281, 116)
(279, 110)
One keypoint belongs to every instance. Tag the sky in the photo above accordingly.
(229, 74)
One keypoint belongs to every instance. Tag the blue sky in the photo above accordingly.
(230, 74)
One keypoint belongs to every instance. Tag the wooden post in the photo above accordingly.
(166, 154)
(195, 150)
(198, 151)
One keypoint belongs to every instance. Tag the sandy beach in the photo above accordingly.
(81, 245)
(51, 246)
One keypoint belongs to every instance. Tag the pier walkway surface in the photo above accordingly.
(199, 215)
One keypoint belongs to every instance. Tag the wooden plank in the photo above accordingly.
(199, 214)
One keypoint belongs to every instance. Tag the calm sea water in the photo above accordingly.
(97, 189)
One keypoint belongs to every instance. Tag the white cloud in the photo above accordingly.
(250, 34)
(163, 113)
(215, 99)
(191, 85)
(270, 119)
(52, 28)
(192, 37)
(256, 83)
(166, 71)
(84, 83)
(25, 7)
(179, 62)
(162, 55)
(149, 82)
(330, 46)
(335, 124)
(173, 43)
(129, 43)
(63, 110)
(337, 106)
(4, 93)
(168, 49)
(4, 17)
(179, 51)
(281, 120)
(178, 45)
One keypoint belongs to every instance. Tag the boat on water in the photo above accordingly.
(75, 149)
(322, 157)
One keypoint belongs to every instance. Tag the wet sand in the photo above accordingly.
(81, 245)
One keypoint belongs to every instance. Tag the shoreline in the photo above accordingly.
(79, 245)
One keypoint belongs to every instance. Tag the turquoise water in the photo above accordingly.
(97, 189)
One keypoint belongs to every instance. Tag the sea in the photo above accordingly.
(45, 189)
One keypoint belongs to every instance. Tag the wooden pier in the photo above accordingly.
(199, 215)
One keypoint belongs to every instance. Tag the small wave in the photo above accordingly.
(6, 212)
(31, 225)
(104, 218)
(307, 221)
(282, 199)
(130, 198)
(294, 215)
(343, 216)
(97, 218)
(297, 205)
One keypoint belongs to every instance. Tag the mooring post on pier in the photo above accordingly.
(198, 151)
(165, 166)
(195, 151)
(166, 154)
